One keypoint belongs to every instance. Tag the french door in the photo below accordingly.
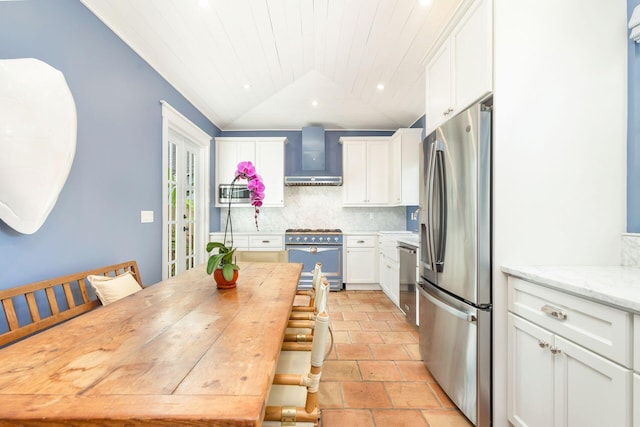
(185, 194)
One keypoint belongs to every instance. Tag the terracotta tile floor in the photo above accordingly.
(374, 376)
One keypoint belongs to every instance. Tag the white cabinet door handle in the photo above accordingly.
(554, 312)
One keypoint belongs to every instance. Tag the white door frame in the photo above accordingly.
(173, 120)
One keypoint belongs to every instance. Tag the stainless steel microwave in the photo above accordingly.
(236, 193)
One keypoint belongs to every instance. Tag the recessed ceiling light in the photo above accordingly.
(380, 86)
(247, 86)
(425, 3)
(314, 103)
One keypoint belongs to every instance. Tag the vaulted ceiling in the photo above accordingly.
(260, 64)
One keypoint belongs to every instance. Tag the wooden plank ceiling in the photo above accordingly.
(289, 53)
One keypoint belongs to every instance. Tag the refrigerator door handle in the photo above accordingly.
(431, 172)
(442, 188)
(461, 314)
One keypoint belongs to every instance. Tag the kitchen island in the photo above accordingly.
(179, 352)
(612, 285)
(573, 345)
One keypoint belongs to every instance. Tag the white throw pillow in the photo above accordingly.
(111, 289)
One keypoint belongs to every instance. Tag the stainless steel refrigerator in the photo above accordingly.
(455, 260)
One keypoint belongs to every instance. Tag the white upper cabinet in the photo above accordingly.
(365, 165)
(267, 154)
(472, 55)
(270, 166)
(439, 98)
(460, 71)
(404, 151)
(229, 153)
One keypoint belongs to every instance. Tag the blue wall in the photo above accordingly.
(117, 168)
(633, 134)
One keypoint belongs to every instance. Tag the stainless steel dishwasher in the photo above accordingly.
(408, 263)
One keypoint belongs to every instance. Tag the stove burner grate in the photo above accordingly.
(312, 230)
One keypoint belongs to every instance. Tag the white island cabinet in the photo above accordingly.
(389, 267)
(569, 358)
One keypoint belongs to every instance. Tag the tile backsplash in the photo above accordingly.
(316, 207)
(631, 249)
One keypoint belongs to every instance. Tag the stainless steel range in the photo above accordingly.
(309, 246)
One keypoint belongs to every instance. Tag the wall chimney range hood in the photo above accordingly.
(314, 171)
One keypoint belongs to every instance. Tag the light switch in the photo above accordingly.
(146, 216)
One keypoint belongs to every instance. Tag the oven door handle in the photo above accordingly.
(313, 249)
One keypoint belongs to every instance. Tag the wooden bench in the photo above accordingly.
(52, 301)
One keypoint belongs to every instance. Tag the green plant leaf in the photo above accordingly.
(214, 261)
(212, 245)
(227, 271)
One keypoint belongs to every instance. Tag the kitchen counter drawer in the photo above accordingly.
(361, 241)
(603, 329)
(240, 242)
(266, 241)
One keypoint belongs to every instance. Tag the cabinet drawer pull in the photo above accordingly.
(266, 241)
(543, 344)
(360, 241)
(555, 350)
(554, 312)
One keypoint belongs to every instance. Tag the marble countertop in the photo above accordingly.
(614, 285)
(408, 237)
(405, 236)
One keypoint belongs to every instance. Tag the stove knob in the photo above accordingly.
(305, 238)
(313, 239)
(290, 238)
(336, 239)
(320, 239)
(298, 239)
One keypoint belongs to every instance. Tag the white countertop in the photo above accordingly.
(408, 237)
(614, 285)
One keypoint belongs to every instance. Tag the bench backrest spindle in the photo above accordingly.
(49, 302)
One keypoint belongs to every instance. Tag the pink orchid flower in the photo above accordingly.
(246, 170)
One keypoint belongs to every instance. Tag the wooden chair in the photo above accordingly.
(49, 302)
(301, 324)
(311, 293)
(294, 395)
(300, 335)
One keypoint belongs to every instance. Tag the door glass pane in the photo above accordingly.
(171, 266)
(189, 208)
(171, 208)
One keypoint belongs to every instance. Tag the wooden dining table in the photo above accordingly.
(180, 352)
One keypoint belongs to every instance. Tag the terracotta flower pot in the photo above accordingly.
(223, 283)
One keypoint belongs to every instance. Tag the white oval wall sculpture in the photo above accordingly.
(38, 126)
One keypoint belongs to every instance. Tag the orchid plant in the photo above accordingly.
(224, 256)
